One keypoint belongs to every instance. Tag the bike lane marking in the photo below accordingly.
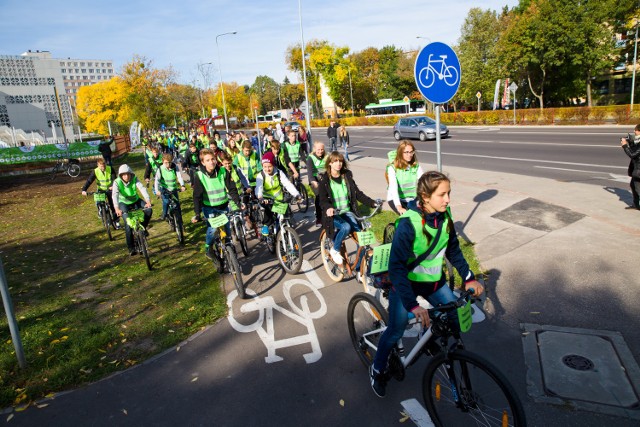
(265, 306)
(417, 413)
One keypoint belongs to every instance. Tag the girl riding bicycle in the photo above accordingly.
(339, 196)
(424, 236)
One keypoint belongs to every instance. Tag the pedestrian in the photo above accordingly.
(305, 139)
(344, 140)
(402, 175)
(424, 236)
(631, 147)
(332, 134)
(105, 149)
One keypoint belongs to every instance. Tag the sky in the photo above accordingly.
(182, 34)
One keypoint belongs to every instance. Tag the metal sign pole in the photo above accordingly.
(438, 152)
(11, 318)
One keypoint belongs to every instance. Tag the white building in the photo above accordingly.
(27, 95)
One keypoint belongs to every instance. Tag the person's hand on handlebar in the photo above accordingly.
(84, 193)
(478, 289)
(331, 212)
(422, 315)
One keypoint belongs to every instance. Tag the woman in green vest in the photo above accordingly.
(167, 182)
(424, 236)
(339, 196)
(125, 197)
(315, 168)
(402, 175)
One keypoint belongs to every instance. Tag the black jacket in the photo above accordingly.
(189, 161)
(632, 149)
(332, 131)
(105, 147)
(326, 199)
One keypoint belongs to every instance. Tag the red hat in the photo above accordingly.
(269, 158)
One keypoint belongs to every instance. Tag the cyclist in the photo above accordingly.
(192, 162)
(283, 162)
(424, 236)
(315, 167)
(294, 150)
(155, 161)
(403, 174)
(213, 194)
(166, 184)
(270, 184)
(247, 160)
(241, 183)
(104, 176)
(339, 196)
(125, 197)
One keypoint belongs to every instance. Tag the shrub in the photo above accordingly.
(491, 117)
(621, 114)
(566, 114)
(599, 114)
(583, 114)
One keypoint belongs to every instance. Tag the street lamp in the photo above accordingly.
(351, 90)
(425, 38)
(224, 105)
(635, 56)
(304, 70)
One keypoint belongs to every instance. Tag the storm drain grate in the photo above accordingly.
(577, 362)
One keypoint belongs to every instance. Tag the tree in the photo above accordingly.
(101, 103)
(266, 89)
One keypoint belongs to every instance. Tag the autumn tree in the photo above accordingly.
(101, 103)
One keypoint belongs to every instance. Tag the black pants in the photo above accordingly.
(127, 230)
(635, 191)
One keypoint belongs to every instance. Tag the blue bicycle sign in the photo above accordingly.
(437, 72)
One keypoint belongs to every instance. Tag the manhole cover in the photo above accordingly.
(538, 215)
(579, 363)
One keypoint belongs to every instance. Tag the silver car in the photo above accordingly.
(418, 127)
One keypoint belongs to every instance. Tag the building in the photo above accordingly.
(28, 86)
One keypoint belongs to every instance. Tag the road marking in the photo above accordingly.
(264, 307)
(553, 144)
(417, 413)
(509, 158)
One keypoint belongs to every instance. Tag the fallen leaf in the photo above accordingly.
(404, 418)
(124, 411)
(193, 380)
(10, 417)
(42, 405)
(129, 279)
(23, 407)
(178, 348)
(171, 331)
(342, 403)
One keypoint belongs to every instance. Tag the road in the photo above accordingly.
(589, 155)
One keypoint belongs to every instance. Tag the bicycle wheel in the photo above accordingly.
(74, 170)
(234, 269)
(303, 205)
(144, 249)
(461, 388)
(451, 75)
(238, 226)
(367, 321)
(178, 227)
(389, 231)
(289, 250)
(427, 77)
(335, 271)
(106, 220)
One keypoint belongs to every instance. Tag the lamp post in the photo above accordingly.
(635, 56)
(224, 105)
(351, 90)
(304, 70)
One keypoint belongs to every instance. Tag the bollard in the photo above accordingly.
(11, 318)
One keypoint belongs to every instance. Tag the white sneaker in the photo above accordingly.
(335, 256)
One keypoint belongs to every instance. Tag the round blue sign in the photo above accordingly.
(437, 72)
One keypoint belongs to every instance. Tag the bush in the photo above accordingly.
(566, 114)
(599, 114)
(491, 117)
(621, 114)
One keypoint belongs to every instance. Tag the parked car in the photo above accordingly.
(294, 125)
(419, 127)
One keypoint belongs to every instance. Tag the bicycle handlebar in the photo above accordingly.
(464, 297)
(375, 211)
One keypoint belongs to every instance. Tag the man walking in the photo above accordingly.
(631, 148)
(332, 134)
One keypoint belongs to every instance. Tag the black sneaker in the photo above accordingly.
(378, 382)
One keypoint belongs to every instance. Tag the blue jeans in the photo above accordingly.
(343, 224)
(210, 212)
(398, 319)
(333, 144)
(345, 146)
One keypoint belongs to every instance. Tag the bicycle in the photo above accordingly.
(237, 230)
(224, 253)
(71, 167)
(363, 253)
(458, 386)
(303, 201)
(174, 216)
(448, 73)
(282, 238)
(104, 211)
(135, 217)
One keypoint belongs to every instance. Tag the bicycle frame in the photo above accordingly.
(365, 225)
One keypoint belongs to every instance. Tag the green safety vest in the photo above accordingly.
(168, 178)
(274, 190)
(182, 148)
(294, 151)
(318, 164)
(340, 195)
(249, 167)
(407, 180)
(194, 158)
(430, 269)
(103, 179)
(155, 163)
(215, 191)
(128, 192)
(236, 178)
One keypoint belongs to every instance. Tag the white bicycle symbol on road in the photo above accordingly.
(448, 73)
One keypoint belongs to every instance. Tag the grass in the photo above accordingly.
(85, 308)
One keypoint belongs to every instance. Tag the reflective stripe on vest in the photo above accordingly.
(407, 182)
(168, 178)
(318, 165)
(340, 195)
(430, 269)
(214, 189)
(236, 178)
(273, 189)
(293, 151)
(128, 192)
(249, 167)
(103, 179)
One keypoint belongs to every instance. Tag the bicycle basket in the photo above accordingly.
(279, 207)
(218, 221)
(100, 197)
(134, 219)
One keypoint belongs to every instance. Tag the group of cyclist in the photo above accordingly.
(225, 175)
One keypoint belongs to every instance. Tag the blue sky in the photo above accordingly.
(182, 33)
